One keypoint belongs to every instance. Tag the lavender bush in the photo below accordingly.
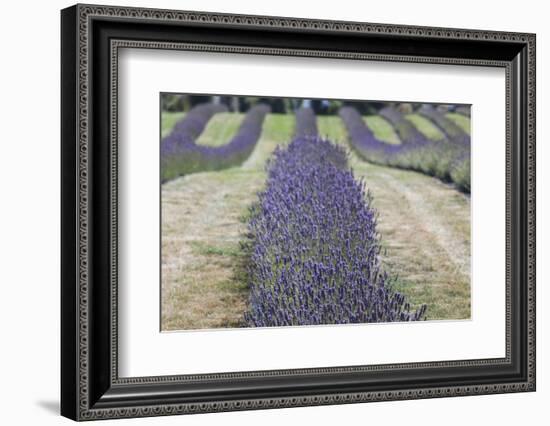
(450, 129)
(441, 159)
(194, 122)
(404, 128)
(315, 252)
(180, 155)
(306, 123)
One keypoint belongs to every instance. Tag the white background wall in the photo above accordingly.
(29, 211)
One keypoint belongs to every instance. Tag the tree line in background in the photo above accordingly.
(183, 103)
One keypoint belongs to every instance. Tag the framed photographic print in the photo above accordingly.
(263, 212)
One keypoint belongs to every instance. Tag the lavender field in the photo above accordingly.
(308, 217)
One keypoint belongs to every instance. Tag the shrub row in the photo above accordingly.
(180, 155)
(406, 131)
(194, 122)
(446, 161)
(315, 252)
(306, 123)
(449, 128)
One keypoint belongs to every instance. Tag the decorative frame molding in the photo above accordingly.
(91, 37)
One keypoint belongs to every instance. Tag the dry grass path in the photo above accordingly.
(201, 230)
(425, 231)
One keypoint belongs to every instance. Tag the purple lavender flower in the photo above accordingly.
(180, 155)
(315, 253)
(404, 128)
(448, 161)
(192, 124)
(449, 128)
(306, 122)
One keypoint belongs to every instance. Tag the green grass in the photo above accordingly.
(332, 127)
(382, 129)
(205, 249)
(220, 129)
(278, 127)
(460, 120)
(168, 120)
(276, 130)
(425, 126)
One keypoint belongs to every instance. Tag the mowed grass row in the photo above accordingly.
(425, 126)
(460, 120)
(277, 130)
(424, 226)
(382, 129)
(220, 129)
(168, 120)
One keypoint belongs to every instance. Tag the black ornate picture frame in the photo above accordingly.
(90, 38)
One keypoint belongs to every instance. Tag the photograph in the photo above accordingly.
(279, 211)
(265, 209)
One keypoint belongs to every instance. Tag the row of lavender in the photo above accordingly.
(447, 159)
(306, 123)
(315, 253)
(180, 155)
(449, 128)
